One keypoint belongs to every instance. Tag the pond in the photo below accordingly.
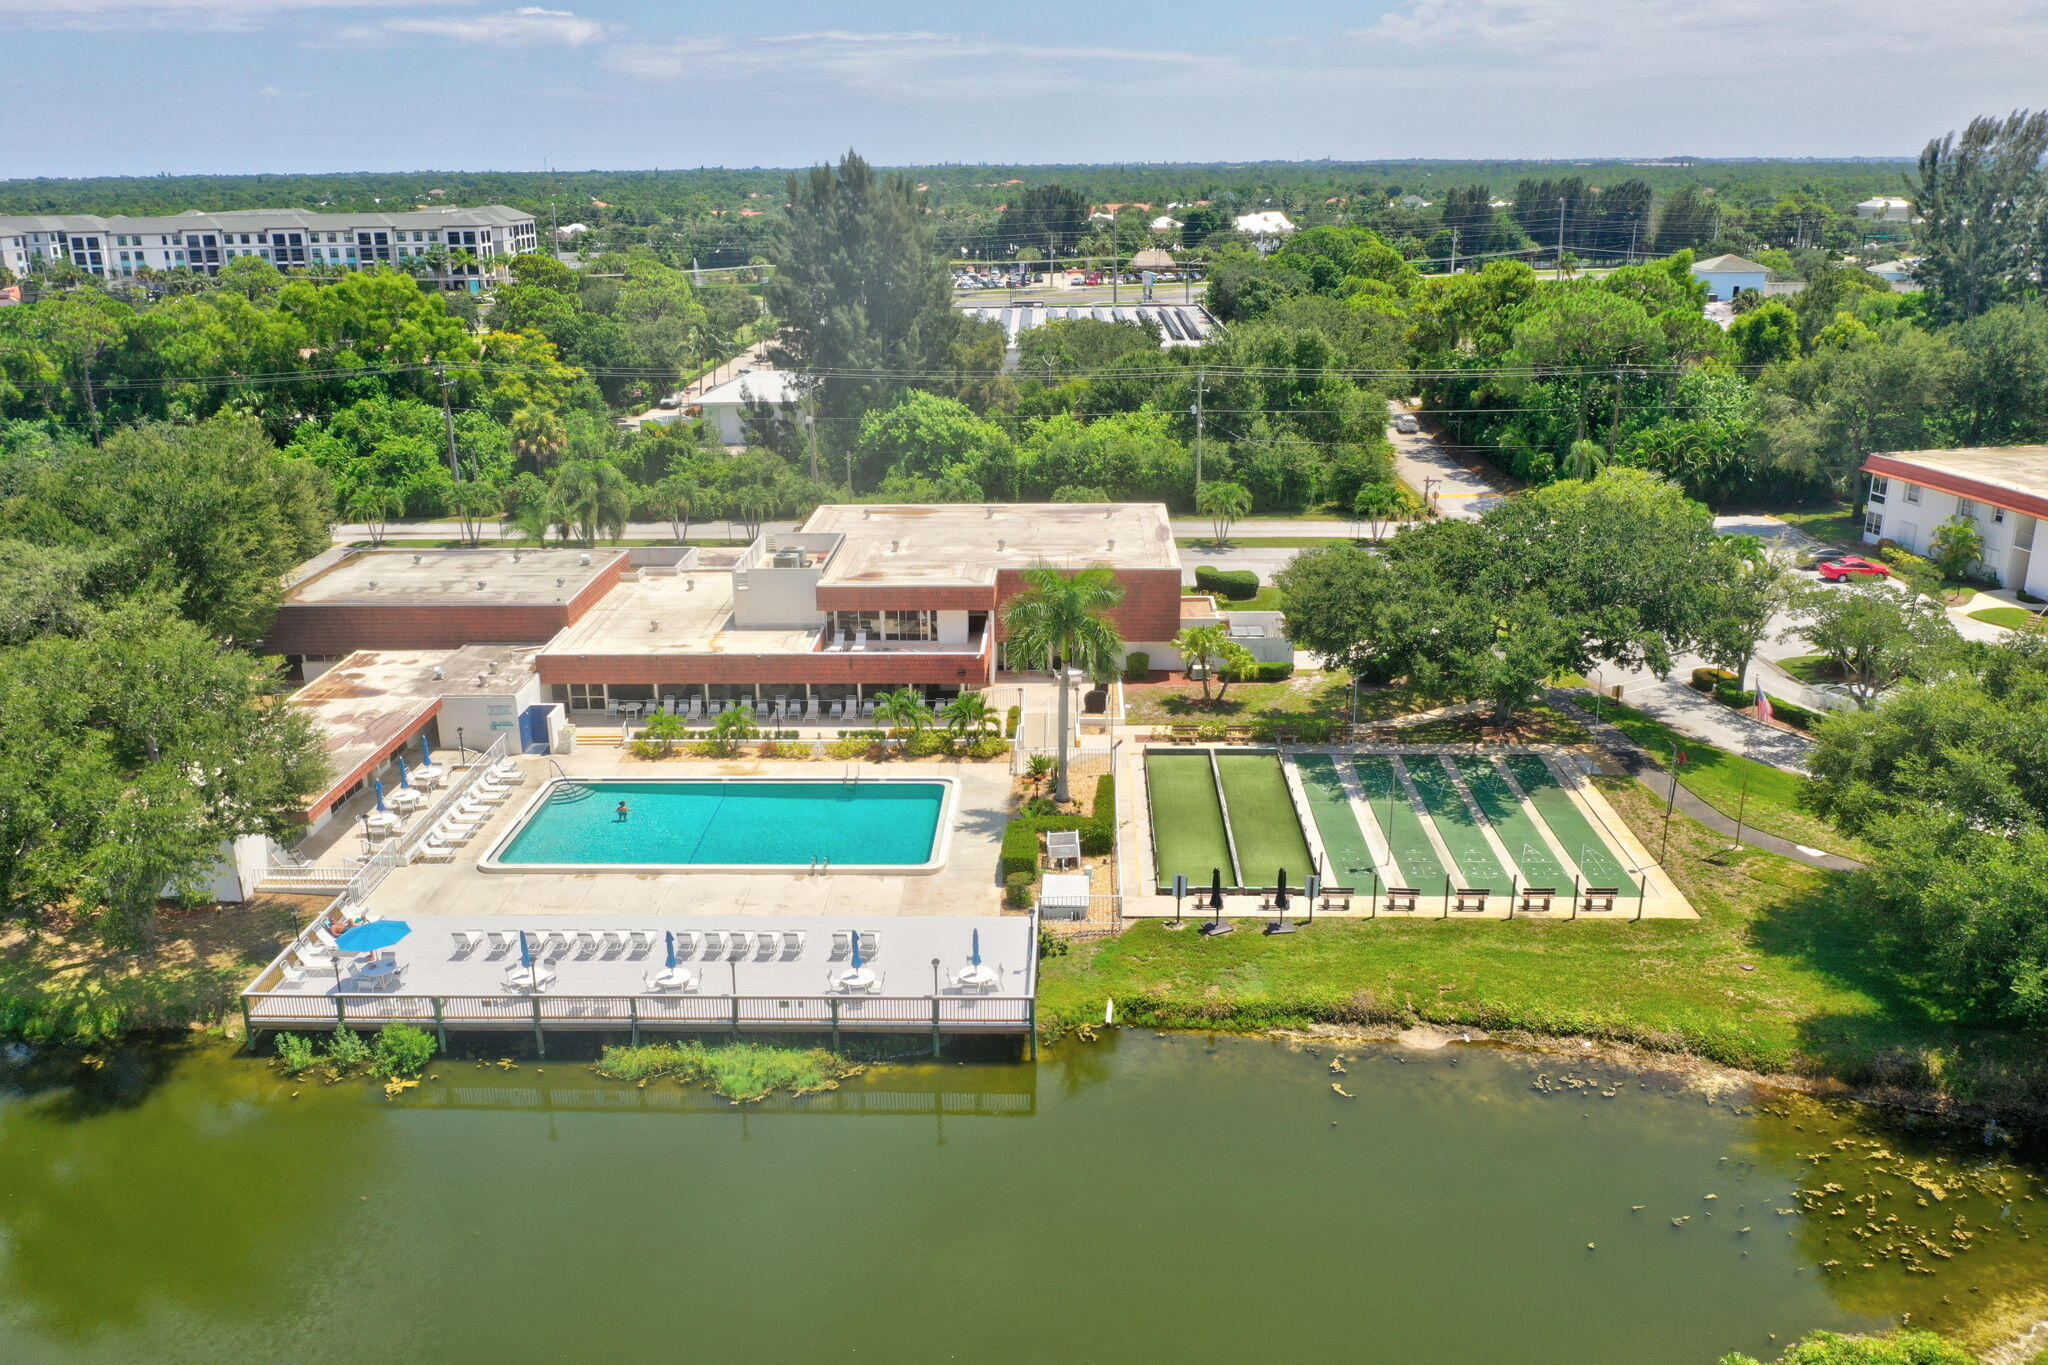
(1135, 1198)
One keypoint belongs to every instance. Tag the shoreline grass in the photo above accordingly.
(1776, 977)
(741, 1072)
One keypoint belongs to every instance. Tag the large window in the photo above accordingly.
(1873, 523)
(1877, 488)
(888, 625)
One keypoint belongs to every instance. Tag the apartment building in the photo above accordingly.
(2003, 489)
(466, 247)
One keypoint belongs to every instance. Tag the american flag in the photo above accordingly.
(1763, 707)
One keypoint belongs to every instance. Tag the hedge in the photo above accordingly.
(1137, 664)
(1710, 679)
(1010, 727)
(1796, 716)
(1017, 890)
(1239, 585)
(1265, 673)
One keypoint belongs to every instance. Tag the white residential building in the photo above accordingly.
(1266, 227)
(471, 245)
(2003, 489)
(1725, 276)
(1886, 208)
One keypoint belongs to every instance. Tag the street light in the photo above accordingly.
(935, 976)
(460, 747)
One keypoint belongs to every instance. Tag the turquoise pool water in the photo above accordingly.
(755, 824)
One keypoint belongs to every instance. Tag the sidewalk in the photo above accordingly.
(1644, 768)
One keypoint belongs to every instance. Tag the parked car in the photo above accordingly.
(1853, 566)
(1406, 423)
(669, 400)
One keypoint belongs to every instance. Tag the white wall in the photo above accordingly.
(726, 417)
(1911, 525)
(483, 716)
(1725, 285)
(777, 598)
(952, 627)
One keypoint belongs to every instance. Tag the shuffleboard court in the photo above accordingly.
(1514, 823)
(1597, 861)
(1262, 819)
(1415, 858)
(1456, 824)
(1350, 861)
(1187, 819)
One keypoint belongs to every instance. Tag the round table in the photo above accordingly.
(857, 979)
(376, 973)
(673, 979)
(979, 974)
(405, 798)
(429, 775)
(383, 822)
(535, 978)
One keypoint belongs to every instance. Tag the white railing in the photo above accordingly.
(458, 788)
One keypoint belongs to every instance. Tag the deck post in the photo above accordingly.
(440, 1024)
(1031, 1018)
(735, 1018)
(935, 1026)
(833, 1003)
(340, 1011)
(248, 1029)
(540, 1042)
(633, 1011)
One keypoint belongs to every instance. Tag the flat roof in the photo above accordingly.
(969, 543)
(666, 615)
(761, 386)
(2018, 469)
(376, 699)
(450, 577)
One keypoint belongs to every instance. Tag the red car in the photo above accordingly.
(1850, 566)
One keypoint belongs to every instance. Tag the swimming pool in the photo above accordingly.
(729, 825)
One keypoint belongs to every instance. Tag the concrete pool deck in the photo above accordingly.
(1660, 899)
(966, 884)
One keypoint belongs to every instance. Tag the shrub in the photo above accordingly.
(1020, 849)
(1796, 716)
(927, 744)
(1922, 575)
(346, 1051)
(1211, 731)
(1017, 888)
(658, 737)
(1038, 806)
(403, 1050)
(1728, 695)
(2031, 600)
(1238, 585)
(1707, 679)
(1258, 672)
(988, 746)
(788, 748)
(1041, 766)
(851, 747)
(711, 748)
(1137, 664)
(1010, 724)
(294, 1052)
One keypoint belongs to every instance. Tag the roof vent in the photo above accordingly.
(1108, 512)
(689, 585)
(417, 558)
(480, 585)
(373, 583)
(515, 556)
(1112, 542)
(653, 626)
(560, 581)
(989, 511)
(583, 559)
(866, 513)
(894, 546)
(1001, 543)
(438, 674)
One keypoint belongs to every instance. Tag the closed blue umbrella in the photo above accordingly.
(378, 784)
(404, 773)
(525, 953)
(975, 956)
(370, 936)
(426, 754)
(671, 935)
(856, 950)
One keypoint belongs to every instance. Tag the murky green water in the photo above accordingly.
(1133, 1199)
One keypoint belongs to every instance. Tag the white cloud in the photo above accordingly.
(527, 26)
(271, 92)
(910, 64)
(204, 15)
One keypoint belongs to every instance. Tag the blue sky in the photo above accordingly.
(91, 87)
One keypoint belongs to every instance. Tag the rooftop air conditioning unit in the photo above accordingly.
(789, 559)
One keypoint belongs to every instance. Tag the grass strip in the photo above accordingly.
(1457, 825)
(1262, 819)
(1720, 778)
(1416, 861)
(742, 1072)
(1350, 861)
(1514, 823)
(1187, 819)
(1598, 862)
(2012, 618)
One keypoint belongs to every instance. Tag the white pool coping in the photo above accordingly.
(942, 833)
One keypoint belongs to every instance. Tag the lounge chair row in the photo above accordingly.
(469, 814)
(703, 945)
(780, 708)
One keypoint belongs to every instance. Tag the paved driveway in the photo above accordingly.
(1433, 469)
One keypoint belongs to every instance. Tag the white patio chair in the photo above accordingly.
(714, 944)
(839, 709)
(611, 706)
(557, 944)
(613, 943)
(860, 641)
(434, 850)
(637, 944)
(842, 943)
(508, 770)
(292, 973)
(500, 941)
(737, 943)
(867, 708)
(811, 711)
(686, 942)
(586, 945)
(696, 708)
(792, 943)
(465, 941)
(870, 947)
(767, 945)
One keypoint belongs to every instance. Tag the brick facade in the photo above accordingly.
(879, 666)
(335, 628)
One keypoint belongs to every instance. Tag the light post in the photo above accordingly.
(1671, 803)
(935, 976)
(1742, 798)
(460, 747)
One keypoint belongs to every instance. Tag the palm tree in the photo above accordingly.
(731, 728)
(471, 503)
(968, 714)
(590, 496)
(1377, 503)
(537, 437)
(1203, 646)
(904, 709)
(1584, 460)
(1223, 504)
(675, 498)
(1061, 621)
(373, 506)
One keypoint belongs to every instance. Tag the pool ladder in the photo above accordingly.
(819, 865)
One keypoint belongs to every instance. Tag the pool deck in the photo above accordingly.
(777, 986)
(1661, 899)
(966, 883)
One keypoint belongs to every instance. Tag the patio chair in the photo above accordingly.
(637, 944)
(501, 942)
(811, 712)
(508, 770)
(839, 709)
(696, 708)
(860, 641)
(737, 942)
(686, 942)
(867, 708)
(792, 944)
(434, 850)
(487, 793)
(292, 973)
(870, 947)
(465, 941)
(586, 946)
(767, 945)
(714, 944)
(614, 943)
(611, 706)
(842, 943)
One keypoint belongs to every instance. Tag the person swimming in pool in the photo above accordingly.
(623, 813)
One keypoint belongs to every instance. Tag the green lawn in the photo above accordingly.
(1263, 542)
(1720, 779)
(1776, 975)
(1262, 819)
(1811, 668)
(1304, 694)
(2012, 618)
(1187, 819)
(1839, 524)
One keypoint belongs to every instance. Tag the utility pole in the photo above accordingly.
(448, 417)
(1614, 422)
(1454, 250)
(1199, 377)
(1560, 236)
